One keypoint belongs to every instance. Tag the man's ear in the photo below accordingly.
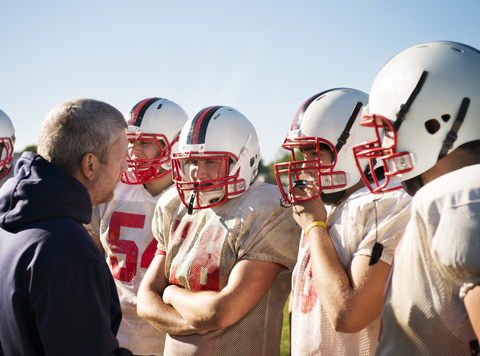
(89, 166)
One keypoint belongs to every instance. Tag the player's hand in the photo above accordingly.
(306, 212)
(167, 294)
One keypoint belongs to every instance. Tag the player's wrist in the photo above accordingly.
(315, 224)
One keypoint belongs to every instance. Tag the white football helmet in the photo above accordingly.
(159, 120)
(331, 119)
(428, 96)
(7, 143)
(216, 132)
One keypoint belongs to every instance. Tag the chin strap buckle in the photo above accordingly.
(191, 202)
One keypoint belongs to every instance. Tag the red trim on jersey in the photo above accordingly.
(160, 252)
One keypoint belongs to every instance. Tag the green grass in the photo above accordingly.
(285, 340)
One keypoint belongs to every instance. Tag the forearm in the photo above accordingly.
(352, 298)
(200, 309)
(209, 310)
(332, 283)
(162, 316)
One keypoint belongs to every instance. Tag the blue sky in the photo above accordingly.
(264, 58)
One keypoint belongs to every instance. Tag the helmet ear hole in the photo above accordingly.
(445, 117)
(432, 126)
(252, 161)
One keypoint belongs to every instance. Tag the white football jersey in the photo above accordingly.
(124, 226)
(203, 248)
(435, 264)
(352, 226)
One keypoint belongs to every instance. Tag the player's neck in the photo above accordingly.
(352, 189)
(456, 160)
(158, 186)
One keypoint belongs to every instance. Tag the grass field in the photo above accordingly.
(285, 341)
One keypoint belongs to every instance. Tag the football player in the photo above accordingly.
(122, 228)
(7, 143)
(426, 100)
(221, 274)
(340, 274)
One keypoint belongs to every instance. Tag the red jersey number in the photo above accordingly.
(204, 270)
(309, 300)
(127, 247)
(308, 294)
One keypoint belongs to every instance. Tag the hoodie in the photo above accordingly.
(57, 295)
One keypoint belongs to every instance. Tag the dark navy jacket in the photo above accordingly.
(57, 295)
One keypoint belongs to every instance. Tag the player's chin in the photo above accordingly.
(211, 189)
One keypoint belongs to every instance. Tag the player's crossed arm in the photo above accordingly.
(151, 307)
(247, 284)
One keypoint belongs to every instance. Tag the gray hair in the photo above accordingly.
(77, 127)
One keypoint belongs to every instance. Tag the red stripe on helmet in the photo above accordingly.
(137, 109)
(198, 124)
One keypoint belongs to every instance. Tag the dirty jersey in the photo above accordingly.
(202, 249)
(353, 226)
(435, 265)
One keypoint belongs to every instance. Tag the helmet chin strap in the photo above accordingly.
(404, 108)
(452, 135)
(346, 132)
(166, 166)
(191, 202)
(412, 185)
(378, 247)
(204, 198)
(332, 198)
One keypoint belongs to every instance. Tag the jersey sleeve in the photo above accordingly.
(386, 219)
(456, 245)
(270, 235)
(157, 231)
